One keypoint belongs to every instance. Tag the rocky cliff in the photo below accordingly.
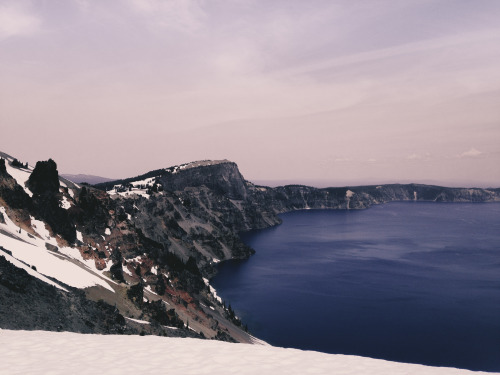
(198, 209)
(152, 242)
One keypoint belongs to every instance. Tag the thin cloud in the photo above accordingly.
(181, 15)
(472, 153)
(416, 156)
(435, 44)
(15, 20)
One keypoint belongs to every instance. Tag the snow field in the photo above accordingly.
(41, 352)
(60, 266)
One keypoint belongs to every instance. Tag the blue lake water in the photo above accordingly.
(410, 282)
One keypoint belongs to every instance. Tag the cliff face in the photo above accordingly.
(294, 197)
(222, 177)
(197, 209)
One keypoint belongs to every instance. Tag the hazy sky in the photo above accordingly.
(334, 92)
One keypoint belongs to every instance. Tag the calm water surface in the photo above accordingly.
(410, 282)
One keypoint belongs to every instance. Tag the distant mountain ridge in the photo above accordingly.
(88, 178)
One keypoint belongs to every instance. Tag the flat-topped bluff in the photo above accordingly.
(221, 175)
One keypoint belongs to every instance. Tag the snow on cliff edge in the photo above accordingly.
(41, 352)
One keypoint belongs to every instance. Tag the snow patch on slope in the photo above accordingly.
(31, 271)
(40, 228)
(65, 265)
(48, 263)
(65, 203)
(212, 290)
(21, 175)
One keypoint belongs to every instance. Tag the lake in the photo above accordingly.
(405, 281)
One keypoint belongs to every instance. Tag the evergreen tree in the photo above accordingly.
(136, 293)
(160, 286)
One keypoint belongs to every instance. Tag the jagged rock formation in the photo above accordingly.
(10, 192)
(44, 179)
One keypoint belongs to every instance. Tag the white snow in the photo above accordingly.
(21, 175)
(61, 265)
(65, 203)
(39, 227)
(147, 181)
(138, 321)
(257, 341)
(134, 191)
(107, 232)
(41, 352)
(148, 288)
(212, 290)
(126, 270)
(194, 164)
(79, 236)
(31, 271)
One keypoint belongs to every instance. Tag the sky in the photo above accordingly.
(321, 92)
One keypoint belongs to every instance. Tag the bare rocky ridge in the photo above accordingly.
(85, 178)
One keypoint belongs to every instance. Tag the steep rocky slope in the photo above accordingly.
(34, 304)
(86, 228)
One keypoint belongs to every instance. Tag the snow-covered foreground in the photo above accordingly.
(41, 352)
